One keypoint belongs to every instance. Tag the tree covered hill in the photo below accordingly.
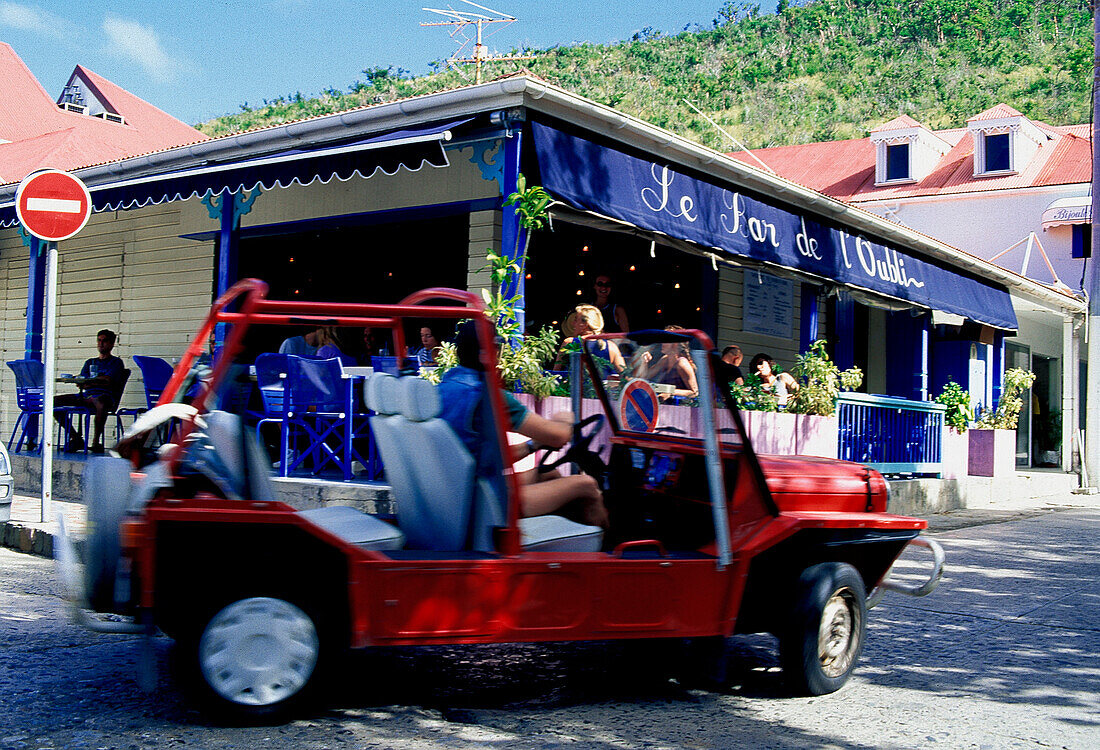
(822, 70)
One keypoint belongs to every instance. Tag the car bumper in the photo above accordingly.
(7, 492)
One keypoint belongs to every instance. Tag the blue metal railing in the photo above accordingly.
(893, 435)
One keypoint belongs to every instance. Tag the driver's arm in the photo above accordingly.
(552, 433)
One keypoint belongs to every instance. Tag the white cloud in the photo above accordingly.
(141, 45)
(34, 20)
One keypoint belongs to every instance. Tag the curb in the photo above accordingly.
(28, 539)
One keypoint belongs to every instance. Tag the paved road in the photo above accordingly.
(1003, 655)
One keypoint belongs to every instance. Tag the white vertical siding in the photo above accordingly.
(128, 271)
(730, 313)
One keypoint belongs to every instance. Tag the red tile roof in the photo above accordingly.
(996, 112)
(42, 135)
(846, 169)
(902, 121)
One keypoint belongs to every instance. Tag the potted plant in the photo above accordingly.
(957, 418)
(819, 385)
(521, 360)
(993, 440)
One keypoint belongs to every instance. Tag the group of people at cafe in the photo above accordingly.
(671, 365)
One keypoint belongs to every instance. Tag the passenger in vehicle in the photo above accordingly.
(781, 383)
(466, 409)
(588, 319)
(673, 367)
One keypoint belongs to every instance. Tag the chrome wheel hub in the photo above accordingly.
(258, 651)
(837, 639)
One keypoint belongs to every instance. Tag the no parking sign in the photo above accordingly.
(638, 406)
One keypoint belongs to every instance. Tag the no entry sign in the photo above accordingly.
(52, 205)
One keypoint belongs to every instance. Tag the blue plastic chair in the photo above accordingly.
(271, 378)
(384, 364)
(29, 395)
(317, 410)
(155, 374)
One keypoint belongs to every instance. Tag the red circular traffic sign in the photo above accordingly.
(52, 205)
(638, 406)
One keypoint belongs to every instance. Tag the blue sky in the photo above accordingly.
(198, 60)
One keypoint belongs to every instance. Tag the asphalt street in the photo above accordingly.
(1002, 655)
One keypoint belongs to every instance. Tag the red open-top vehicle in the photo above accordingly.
(706, 538)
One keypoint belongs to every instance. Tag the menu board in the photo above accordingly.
(768, 305)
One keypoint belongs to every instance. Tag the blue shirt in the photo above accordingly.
(297, 346)
(467, 411)
(95, 367)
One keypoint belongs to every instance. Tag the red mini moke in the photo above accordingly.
(706, 538)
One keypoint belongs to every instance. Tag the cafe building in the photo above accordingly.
(377, 202)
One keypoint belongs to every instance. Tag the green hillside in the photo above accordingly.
(830, 69)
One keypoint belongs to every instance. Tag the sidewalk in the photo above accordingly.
(25, 533)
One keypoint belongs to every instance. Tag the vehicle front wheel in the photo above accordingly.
(257, 656)
(822, 642)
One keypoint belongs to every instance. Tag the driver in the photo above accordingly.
(462, 391)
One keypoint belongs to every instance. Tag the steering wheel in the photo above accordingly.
(579, 452)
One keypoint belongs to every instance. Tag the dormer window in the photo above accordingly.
(1004, 141)
(998, 152)
(897, 162)
(905, 151)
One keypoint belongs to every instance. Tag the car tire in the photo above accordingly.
(107, 487)
(257, 657)
(823, 639)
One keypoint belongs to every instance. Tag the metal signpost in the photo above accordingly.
(53, 206)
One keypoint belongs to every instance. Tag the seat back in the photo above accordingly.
(429, 469)
(271, 375)
(29, 384)
(384, 364)
(315, 385)
(119, 389)
(231, 457)
(155, 374)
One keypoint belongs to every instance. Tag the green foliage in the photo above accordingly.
(957, 400)
(820, 382)
(830, 69)
(521, 360)
(752, 396)
(1007, 415)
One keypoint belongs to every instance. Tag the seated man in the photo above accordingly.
(465, 408)
(99, 392)
(305, 345)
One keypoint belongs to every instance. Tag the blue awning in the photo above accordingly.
(411, 149)
(656, 197)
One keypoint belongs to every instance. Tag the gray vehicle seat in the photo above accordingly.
(432, 477)
(234, 459)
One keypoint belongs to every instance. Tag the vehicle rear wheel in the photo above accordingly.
(258, 655)
(106, 496)
(822, 643)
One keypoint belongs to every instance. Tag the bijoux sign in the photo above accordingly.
(52, 205)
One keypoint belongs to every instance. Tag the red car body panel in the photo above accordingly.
(516, 596)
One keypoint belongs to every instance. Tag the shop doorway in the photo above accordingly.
(1018, 355)
(1046, 433)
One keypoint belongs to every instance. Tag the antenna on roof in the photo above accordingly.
(462, 20)
(729, 135)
